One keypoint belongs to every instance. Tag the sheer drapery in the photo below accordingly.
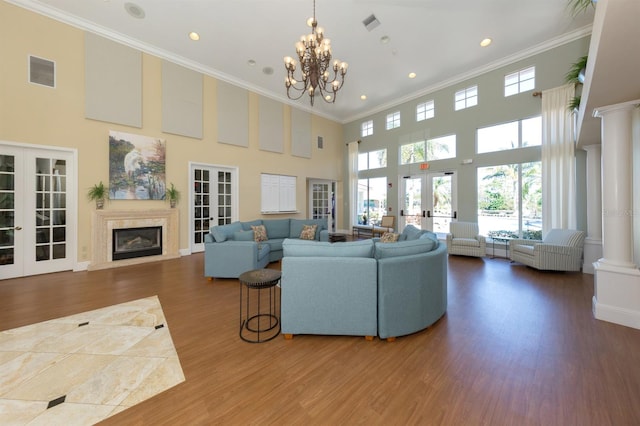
(353, 180)
(558, 160)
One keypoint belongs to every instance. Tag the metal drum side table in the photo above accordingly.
(254, 318)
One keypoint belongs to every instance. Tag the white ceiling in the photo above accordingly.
(439, 40)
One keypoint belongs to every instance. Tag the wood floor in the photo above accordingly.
(516, 347)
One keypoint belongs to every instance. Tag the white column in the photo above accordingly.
(593, 242)
(617, 279)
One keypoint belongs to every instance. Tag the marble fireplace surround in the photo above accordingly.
(105, 221)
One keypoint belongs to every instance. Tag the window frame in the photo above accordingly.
(425, 110)
(366, 128)
(393, 120)
(465, 97)
(520, 84)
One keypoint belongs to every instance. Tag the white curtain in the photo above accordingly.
(353, 181)
(558, 160)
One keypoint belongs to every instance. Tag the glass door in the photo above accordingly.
(442, 202)
(412, 210)
(214, 200)
(322, 202)
(36, 211)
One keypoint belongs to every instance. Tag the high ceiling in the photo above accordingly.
(439, 40)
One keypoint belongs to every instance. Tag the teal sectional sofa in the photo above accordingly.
(230, 250)
(364, 288)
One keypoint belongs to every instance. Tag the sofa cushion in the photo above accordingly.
(275, 244)
(410, 232)
(429, 234)
(308, 232)
(297, 224)
(404, 248)
(222, 233)
(389, 237)
(247, 225)
(466, 242)
(293, 247)
(277, 228)
(259, 233)
(243, 236)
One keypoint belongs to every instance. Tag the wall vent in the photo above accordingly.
(371, 22)
(320, 142)
(42, 71)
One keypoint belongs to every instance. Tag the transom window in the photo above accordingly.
(434, 149)
(367, 128)
(516, 134)
(466, 98)
(520, 81)
(393, 120)
(425, 110)
(372, 160)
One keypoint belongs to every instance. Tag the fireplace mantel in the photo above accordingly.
(105, 221)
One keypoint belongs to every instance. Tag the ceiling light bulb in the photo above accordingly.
(412, 75)
(485, 42)
(194, 36)
(363, 97)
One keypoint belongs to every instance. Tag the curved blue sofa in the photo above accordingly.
(230, 250)
(364, 288)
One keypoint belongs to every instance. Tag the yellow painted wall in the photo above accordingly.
(34, 114)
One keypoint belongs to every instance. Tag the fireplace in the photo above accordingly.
(130, 243)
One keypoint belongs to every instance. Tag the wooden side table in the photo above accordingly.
(255, 320)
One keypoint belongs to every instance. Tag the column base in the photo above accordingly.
(592, 252)
(617, 294)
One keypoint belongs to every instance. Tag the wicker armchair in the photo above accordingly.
(560, 250)
(464, 239)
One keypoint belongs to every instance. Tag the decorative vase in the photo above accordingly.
(172, 203)
(100, 203)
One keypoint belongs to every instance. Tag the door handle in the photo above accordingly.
(423, 213)
(18, 228)
(455, 215)
(428, 213)
(401, 212)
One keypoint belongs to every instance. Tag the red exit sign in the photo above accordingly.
(424, 166)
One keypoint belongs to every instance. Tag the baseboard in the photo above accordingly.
(81, 266)
(616, 315)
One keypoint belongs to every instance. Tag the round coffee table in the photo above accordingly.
(253, 321)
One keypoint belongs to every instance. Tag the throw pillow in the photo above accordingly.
(389, 237)
(308, 232)
(259, 233)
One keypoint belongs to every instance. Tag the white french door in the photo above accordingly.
(322, 201)
(412, 202)
(37, 211)
(213, 200)
(428, 201)
(442, 202)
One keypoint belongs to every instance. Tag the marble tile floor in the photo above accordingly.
(81, 369)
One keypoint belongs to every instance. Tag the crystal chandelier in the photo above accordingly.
(314, 55)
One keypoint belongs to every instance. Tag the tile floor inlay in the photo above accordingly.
(86, 367)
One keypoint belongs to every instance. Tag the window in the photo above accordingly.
(435, 149)
(393, 120)
(466, 98)
(441, 148)
(367, 128)
(516, 134)
(372, 160)
(425, 110)
(510, 200)
(521, 81)
(372, 201)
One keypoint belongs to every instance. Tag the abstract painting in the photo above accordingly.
(136, 167)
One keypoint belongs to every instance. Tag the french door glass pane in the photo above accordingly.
(7, 209)
(50, 213)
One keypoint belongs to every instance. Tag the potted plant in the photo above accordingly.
(173, 195)
(579, 6)
(98, 193)
(575, 76)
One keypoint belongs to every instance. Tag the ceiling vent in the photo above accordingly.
(371, 22)
(42, 71)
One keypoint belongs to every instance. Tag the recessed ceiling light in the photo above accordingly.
(267, 70)
(251, 62)
(194, 36)
(485, 42)
(385, 39)
(412, 75)
(134, 10)
(363, 97)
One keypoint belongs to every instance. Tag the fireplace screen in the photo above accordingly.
(137, 242)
